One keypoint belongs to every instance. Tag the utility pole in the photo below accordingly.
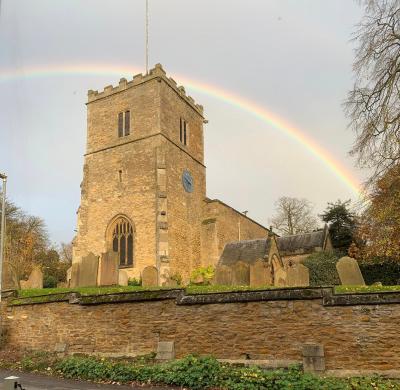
(3, 177)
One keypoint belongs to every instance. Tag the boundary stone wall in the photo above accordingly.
(356, 331)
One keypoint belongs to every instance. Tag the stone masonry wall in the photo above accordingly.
(357, 332)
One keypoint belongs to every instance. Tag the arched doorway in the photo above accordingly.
(120, 238)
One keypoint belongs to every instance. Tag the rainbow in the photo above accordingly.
(211, 90)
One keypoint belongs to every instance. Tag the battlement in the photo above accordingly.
(156, 72)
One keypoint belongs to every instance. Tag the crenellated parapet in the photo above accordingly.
(156, 73)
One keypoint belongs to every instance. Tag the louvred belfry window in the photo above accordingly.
(122, 241)
(124, 123)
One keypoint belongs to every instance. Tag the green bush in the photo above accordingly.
(134, 282)
(206, 372)
(322, 266)
(49, 281)
(382, 270)
(202, 274)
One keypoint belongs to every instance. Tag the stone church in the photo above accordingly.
(143, 193)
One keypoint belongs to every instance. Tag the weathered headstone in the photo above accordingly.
(223, 275)
(298, 275)
(149, 276)
(313, 358)
(123, 278)
(349, 272)
(69, 276)
(88, 268)
(280, 277)
(241, 274)
(35, 279)
(260, 274)
(108, 269)
(74, 281)
(165, 350)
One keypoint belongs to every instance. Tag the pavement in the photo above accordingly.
(44, 382)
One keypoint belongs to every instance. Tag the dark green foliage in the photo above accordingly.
(322, 267)
(342, 224)
(382, 270)
(49, 281)
(191, 372)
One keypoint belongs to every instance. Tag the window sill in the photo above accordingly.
(125, 266)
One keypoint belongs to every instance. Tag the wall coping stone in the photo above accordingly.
(325, 294)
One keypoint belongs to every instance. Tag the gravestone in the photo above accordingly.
(74, 281)
(108, 269)
(280, 277)
(149, 276)
(223, 275)
(35, 279)
(165, 350)
(349, 272)
(260, 274)
(298, 275)
(88, 269)
(241, 274)
(123, 278)
(69, 276)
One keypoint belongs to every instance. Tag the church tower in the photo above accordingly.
(144, 181)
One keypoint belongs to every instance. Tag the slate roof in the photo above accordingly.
(301, 243)
(247, 251)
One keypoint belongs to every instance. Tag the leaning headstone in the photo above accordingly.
(349, 272)
(241, 274)
(260, 274)
(298, 275)
(108, 269)
(123, 278)
(88, 269)
(149, 276)
(223, 275)
(74, 280)
(35, 279)
(280, 278)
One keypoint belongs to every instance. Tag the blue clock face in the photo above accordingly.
(187, 181)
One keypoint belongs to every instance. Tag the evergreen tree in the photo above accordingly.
(342, 224)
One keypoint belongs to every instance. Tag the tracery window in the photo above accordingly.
(122, 241)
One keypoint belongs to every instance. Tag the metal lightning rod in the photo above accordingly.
(147, 36)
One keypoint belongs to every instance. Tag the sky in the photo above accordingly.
(290, 58)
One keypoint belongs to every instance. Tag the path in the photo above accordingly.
(43, 382)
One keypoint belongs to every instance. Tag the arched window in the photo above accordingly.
(122, 241)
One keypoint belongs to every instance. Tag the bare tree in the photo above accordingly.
(66, 252)
(294, 216)
(373, 105)
(26, 237)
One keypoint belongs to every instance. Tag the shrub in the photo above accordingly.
(134, 282)
(382, 270)
(322, 266)
(202, 275)
(197, 373)
(49, 281)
